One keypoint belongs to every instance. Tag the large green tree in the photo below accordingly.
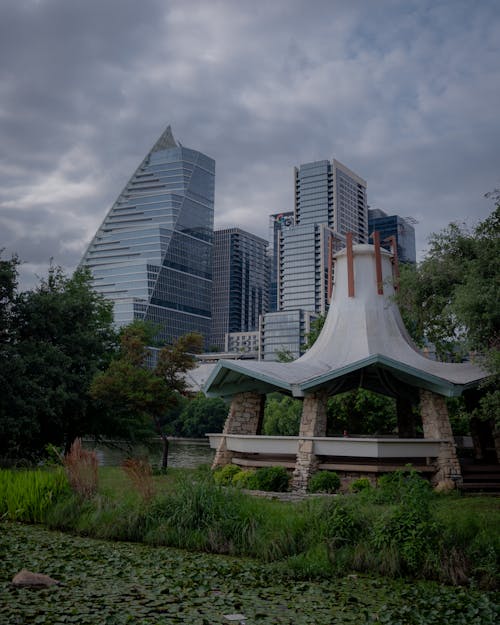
(53, 341)
(451, 298)
(200, 415)
(142, 399)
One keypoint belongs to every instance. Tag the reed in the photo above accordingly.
(81, 467)
(140, 474)
(27, 495)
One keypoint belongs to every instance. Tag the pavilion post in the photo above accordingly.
(436, 425)
(245, 417)
(313, 423)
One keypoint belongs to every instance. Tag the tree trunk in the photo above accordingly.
(164, 458)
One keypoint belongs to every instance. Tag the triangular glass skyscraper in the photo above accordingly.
(152, 255)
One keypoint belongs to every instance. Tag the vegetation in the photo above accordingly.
(130, 583)
(324, 482)
(27, 495)
(53, 340)
(400, 528)
(200, 415)
(271, 479)
(451, 299)
(143, 397)
(281, 415)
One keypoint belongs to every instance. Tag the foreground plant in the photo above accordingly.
(81, 467)
(126, 583)
(140, 474)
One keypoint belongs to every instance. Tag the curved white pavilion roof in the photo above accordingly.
(363, 343)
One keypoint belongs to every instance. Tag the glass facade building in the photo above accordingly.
(284, 334)
(152, 255)
(330, 201)
(394, 225)
(240, 283)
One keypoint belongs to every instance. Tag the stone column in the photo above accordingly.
(436, 424)
(245, 417)
(313, 423)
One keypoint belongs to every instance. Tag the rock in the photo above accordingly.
(27, 579)
(445, 486)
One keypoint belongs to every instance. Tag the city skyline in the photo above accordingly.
(405, 93)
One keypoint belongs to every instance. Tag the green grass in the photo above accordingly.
(400, 529)
(27, 494)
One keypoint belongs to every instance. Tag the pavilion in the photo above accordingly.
(363, 343)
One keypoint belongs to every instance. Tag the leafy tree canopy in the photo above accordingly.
(451, 299)
(53, 341)
(143, 400)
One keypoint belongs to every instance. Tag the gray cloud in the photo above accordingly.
(404, 93)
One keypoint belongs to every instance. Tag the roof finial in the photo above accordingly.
(166, 141)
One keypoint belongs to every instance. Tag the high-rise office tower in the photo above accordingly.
(277, 223)
(240, 283)
(399, 227)
(330, 201)
(152, 255)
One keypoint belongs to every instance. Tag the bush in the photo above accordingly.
(362, 483)
(244, 479)
(399, 486)
(324, 482)
(272, 479)
(224, 475)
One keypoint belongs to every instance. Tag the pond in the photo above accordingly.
(186, 453)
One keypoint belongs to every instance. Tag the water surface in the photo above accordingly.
(187, 453)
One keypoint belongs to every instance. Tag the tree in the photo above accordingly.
(54, 339)
(451, 298)
(361, 412)
(141, 398)
(201, 415)
(281, 415)
(316, 327)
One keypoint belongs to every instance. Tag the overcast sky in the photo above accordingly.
(405, 93)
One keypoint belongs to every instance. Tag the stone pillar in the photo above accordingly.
(436, 424)
(245, 417)
(313, 423)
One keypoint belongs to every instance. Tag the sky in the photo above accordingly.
(406, 93)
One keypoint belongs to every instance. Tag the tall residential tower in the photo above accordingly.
(152, 255)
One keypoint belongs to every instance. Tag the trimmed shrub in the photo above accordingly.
(244, 479)
(362, 483)
(224, 475)
(324, 482)
(272, 479)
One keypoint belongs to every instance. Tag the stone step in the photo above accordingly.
(474, 486)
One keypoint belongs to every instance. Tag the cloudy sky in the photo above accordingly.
(404, 92)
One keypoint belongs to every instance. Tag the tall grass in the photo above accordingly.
(401, 528)
(82, 470)
(27, 495)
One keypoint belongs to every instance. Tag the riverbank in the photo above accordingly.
(399, 529)
(108, 583)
